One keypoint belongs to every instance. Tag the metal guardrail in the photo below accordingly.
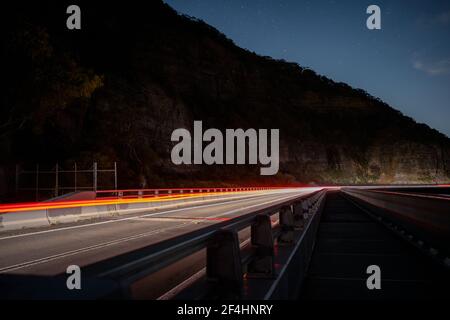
(148, 193)
(274, 251)
(421, 219)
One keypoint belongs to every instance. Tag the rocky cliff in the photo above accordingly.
(115, 91)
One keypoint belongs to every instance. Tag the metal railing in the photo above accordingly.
(274, 261)
(148, 193)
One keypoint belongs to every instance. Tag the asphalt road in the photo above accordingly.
(49, 251)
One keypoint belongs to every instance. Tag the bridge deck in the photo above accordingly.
(348, 241)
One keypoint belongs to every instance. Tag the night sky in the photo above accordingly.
(406, 63)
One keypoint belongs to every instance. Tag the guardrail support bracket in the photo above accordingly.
(299, 217)
(287, 226)
(261, 238)
(223, 265)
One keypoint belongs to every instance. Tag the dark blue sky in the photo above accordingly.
(406, 63)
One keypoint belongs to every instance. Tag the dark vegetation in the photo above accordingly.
(116, 89)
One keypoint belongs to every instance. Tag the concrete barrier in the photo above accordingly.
(48, 217)
(27, 219)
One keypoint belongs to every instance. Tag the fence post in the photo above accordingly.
(37, 182)
(115, 175)
(56, 180)
(95, 177)
(75, 169)
(17, 179)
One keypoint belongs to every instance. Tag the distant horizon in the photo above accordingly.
(258, 27)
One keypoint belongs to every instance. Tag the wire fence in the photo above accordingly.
(47, 182)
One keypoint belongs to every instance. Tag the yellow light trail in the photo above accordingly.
(31, 206)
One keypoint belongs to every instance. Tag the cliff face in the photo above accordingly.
(138, 73)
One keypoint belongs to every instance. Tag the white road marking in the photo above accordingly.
(191, 279)
(131, 218)
(181, 286)
(113, 242)
(86, 249)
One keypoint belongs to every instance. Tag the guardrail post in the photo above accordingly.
(262, 239)
(287, 225)
(223, 265)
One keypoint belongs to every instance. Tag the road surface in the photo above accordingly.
(49, 251)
